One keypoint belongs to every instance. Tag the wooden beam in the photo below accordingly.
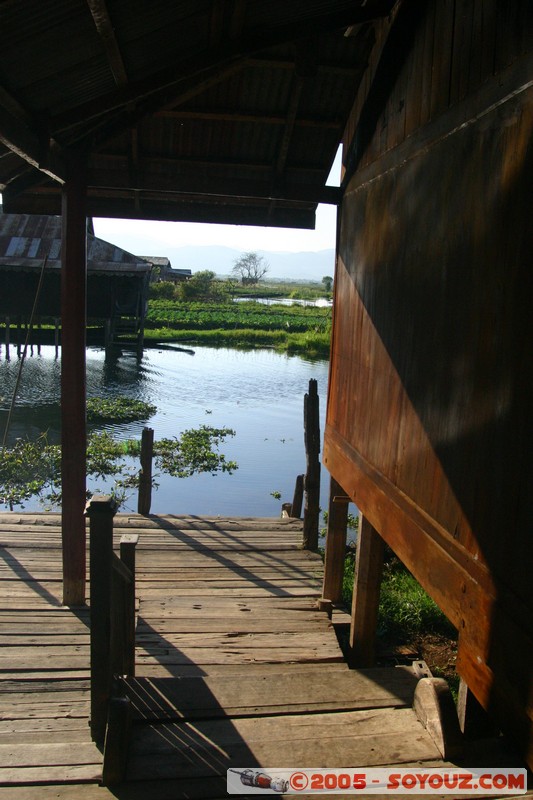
(216, 22)
(394, 54)
(23, 139)
(104, 26)
(292, 111)
(239, 116)
(366, 590)
(238, 16)
(73, 391)
(195, 66)
(335, 543)
(177, 185)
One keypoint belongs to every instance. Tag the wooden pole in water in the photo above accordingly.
(298, 497)
(312, 477)
(7, 337)
(73, 388)
(145, 477)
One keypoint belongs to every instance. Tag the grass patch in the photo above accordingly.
(309, 343)
(405, 609)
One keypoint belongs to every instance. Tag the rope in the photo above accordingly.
(28, 332)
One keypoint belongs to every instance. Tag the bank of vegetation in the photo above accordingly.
(32, 468)
(227, 313)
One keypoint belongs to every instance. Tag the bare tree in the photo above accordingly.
(250, 268)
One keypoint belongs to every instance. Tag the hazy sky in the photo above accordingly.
(139, 236)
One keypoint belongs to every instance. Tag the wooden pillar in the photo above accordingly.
(145, 477)
(73, 394)
(312, 476)
(100, 510)
(335, 543)
(56, 335)
(298, 497)
(8, 322)
(366, 590)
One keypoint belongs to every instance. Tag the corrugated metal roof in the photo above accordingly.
(249, 98)
(26, 240)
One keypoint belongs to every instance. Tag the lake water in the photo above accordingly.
(258, 393)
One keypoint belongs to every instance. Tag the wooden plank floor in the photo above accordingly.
(235, 666)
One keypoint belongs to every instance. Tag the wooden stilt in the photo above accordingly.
(365, 603)
(335, 543)
(474, 721)
(145, 478)
(56, 335)
(7, 337)
(312, 476)
(73, 392)
(100, 510)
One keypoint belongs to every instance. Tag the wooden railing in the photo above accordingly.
(112, 609)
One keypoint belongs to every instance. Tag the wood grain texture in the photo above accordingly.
(234, 664)
(428, 422)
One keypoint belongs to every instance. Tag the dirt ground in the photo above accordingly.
(438, 651)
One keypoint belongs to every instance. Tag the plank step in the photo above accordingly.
(254, 693)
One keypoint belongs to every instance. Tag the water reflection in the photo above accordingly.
(258, 393)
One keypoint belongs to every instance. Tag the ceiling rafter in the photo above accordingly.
(238, 16)
(104, 26)
(249, 42)
(196, 163)
(28, 143)
(102, 132)
(174, 184)
(239, 116)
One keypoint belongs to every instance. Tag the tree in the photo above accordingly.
(200, 286)
(328, 282)
(250, 268)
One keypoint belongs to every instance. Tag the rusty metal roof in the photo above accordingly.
(27, 239)
(203, 110)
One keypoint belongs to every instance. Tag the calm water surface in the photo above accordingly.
(257, 393)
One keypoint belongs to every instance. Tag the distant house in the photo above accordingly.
(165, 272)
(117, 281)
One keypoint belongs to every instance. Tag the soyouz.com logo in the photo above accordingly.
(485, 782)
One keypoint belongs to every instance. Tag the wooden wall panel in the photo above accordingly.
(429, 409)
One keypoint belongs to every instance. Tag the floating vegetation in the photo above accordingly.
(118, 409)
(33, 468)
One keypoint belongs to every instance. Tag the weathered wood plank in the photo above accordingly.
(209, 747)
(277, 692)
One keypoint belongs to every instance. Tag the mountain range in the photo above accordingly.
(303, 266)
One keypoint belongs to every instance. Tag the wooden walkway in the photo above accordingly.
(234, 666)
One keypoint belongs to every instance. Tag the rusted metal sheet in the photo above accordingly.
(428, 422)
(114, 275)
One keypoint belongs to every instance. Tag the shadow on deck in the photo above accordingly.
(235, 667)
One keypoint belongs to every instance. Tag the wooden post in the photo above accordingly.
(73, 390)
(7, 337)
(128, 543)
(335, 543)
(366, 590)
(100, 510)
(145, 476)
(56, 334)
(312, 477)
(298, 497)
(474, 721)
